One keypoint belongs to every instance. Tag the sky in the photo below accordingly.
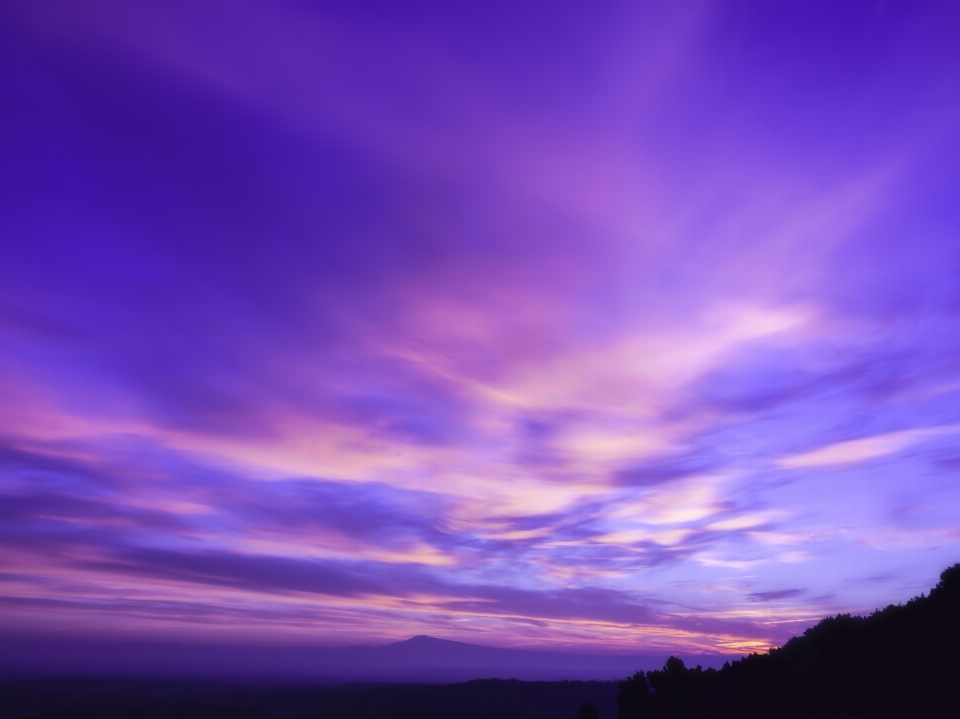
(615, 328)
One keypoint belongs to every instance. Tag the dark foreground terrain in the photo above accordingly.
(130, 699)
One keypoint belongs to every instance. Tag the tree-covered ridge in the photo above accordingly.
(901, 661)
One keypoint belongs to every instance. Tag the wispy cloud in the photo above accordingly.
(860, 450)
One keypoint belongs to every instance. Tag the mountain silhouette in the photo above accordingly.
(431, 656)
(421, 658)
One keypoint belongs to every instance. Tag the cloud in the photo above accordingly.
(667, 468)
(775, 595)
(861, 450)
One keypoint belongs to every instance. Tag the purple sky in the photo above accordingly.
(611, 327)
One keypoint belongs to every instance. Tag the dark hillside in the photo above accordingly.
(902, 661)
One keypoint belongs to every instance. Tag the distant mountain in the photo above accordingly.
(421, 658)
(441, 657)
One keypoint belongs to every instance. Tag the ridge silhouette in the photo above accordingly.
(902, 661)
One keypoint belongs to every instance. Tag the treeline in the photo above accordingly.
(902, 661)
